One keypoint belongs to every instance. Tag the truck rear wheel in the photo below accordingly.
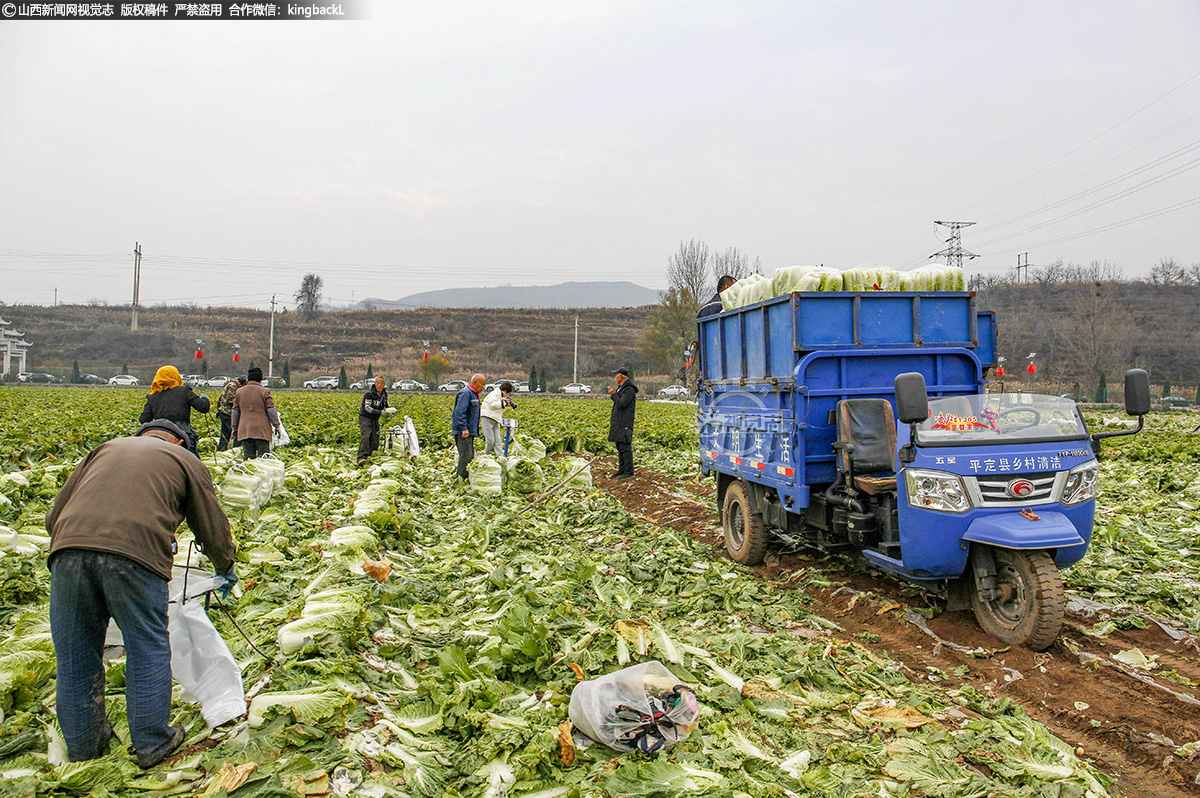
(745, 533)
(1029, 609)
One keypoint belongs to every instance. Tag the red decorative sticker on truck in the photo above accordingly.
(954, 423)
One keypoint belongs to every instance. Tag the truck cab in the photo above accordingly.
(864, 424)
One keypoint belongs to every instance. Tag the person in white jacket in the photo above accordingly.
(491, 413)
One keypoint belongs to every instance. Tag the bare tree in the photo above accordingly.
(308, 297)
(1096, 331)
(990, 281)
(1050, 274)
(734, 263)
(1194, 274)
(669, 332)
(1167, 272)
(688, 273)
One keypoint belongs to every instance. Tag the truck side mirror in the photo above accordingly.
(1137, 392)
(912, 402)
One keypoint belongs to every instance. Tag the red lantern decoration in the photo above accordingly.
(237, 358)
(1000, 371)
(199, 354)
(1031, 369)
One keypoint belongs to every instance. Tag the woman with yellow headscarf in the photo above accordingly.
(170, 399)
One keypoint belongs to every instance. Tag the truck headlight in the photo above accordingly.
(1081, 483)
(936, 490)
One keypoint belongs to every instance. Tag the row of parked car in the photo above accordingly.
(454, 386)
(84, 379)
(200, 381)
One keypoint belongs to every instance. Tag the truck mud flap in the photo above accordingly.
(765, 502)
(1046, 529)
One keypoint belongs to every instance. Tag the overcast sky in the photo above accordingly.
(461, 143)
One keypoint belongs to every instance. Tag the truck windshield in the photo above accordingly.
(1000, 418)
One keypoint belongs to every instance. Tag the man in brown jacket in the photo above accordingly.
(254, 416)
(112, 532)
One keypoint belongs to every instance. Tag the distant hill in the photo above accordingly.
(495, 341)
(603, 294)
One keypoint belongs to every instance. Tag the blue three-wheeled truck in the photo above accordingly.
(984, 494)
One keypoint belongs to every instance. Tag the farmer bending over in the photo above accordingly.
(112, 528)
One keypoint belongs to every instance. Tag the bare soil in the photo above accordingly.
(1125, 721)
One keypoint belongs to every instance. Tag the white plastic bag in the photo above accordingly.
(486, 474)
(203, 666)
(241, 489)
(523, 475)
(410, 432)
(200, 659)
(643, 707)
(523, 445)
(789, 279)
(280, 437)
(577, 472)
(270, 468)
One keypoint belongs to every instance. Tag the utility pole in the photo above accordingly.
(1023, 266)
(56, 296)
(954, 252)
(575, 367)
(137, 279)
(271, 346)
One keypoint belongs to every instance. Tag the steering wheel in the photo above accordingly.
(1037, 417)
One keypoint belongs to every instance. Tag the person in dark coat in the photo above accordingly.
(112, 530)
(374, 402)
(713, 306)
(464, 422)
(620, 424)
(225, 413)
(171, 400)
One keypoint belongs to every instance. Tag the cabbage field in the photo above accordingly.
(410, 636)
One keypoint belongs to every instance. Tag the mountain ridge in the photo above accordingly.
(571, 294)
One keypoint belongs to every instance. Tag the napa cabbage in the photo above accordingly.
(307, 706)
(486, 474)
(525, 476)
(355, 537)
(328, 611)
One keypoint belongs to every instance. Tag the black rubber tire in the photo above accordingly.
(1033, 614)
(745, 533)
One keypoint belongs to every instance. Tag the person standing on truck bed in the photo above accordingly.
(173, 401)
(713, 306)
(620, 424)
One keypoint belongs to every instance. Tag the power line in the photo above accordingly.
(1086, 143)
(1132, 173)
(1141, 218)
(1100, 203)
(1101, 164)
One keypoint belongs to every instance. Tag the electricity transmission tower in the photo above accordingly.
(954, 253)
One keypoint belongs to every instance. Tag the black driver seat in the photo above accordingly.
(866, 430)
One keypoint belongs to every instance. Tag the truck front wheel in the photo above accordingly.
(1030, 600)
(745, 534)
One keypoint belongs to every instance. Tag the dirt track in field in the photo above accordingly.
(1127, 722)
